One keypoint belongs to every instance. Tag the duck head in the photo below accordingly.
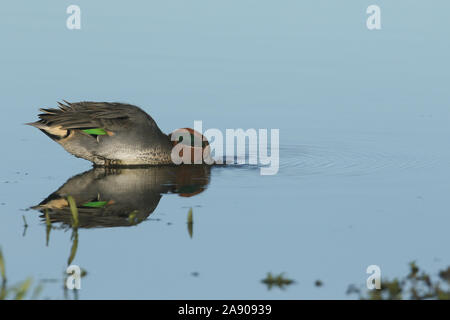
(190, 147)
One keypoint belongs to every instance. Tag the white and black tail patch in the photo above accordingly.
(54, 133)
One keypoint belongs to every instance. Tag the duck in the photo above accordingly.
(113, 134)
(117, 197)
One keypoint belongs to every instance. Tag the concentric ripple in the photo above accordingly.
(346, 160)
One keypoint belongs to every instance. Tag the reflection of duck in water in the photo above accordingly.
(121, 197)
(116, 134)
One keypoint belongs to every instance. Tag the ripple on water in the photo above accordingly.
(301, 160)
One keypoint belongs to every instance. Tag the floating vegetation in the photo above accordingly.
(75, 224)
(18, 291)
(83, 273)
(445, 275)
(48, 228)
(279, 281)
(22, 289)
(25, 226)
(37, 291)
(417, 285)
(73, 249)
(2, 267)
(132, 217)
(74, 211)
(190, 223)
(3, 291)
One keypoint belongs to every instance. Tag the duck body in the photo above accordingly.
(109, 197)
(106, 133)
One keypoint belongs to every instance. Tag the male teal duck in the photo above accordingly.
(109, 133)
(123, 196)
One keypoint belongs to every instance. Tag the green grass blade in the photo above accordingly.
(2, 267)
(73, 250)
(25, 226)
(48, 228)
(74, 211)
(132, 217)
(3, 291)
(37, 291)
(23, 289)
(190, 223)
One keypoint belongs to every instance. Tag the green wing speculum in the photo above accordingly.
(95, 204)
(95, 131)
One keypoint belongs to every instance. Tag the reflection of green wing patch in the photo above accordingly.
(95, 131)
(95, 204)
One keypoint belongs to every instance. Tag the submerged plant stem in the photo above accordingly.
(74, 211)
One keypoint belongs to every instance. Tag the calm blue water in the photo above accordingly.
(364, 127)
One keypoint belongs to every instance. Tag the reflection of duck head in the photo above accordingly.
(121, 197)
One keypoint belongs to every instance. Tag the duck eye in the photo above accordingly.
(192, 140)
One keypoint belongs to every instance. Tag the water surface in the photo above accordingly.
(364, 158)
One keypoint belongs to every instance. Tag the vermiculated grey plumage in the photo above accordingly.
(133, 137)
(125, 193)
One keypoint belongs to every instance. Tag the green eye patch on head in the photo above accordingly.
(192, 141)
